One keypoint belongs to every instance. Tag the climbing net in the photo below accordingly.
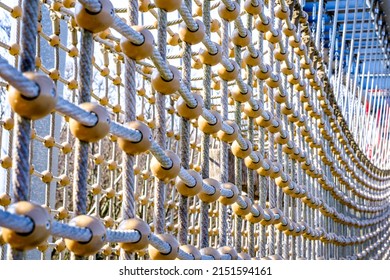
(179, 130)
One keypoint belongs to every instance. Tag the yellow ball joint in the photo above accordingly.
(251, 164)
(97, 240)
(209, 58)
(228, 200)
(240, 96)
(209, 198)
(270, 219)
(265, 119)
(185, 111)
(228, 251)
(283, 180)
(143, 230)
(226, 137)
(252, 218)
(173, 252)
(242, 212)
(241, 41)
(166, 173)
(209, 251)
(5, 199)
(253, 112)
(290, 32)
(192, 250)
(134, 148)
(95, 132)
(95, 22)
(36, 107)
(227, 75)
(265, 26)
(40, 231)
(168, 5)
(266, 168)
(263, 72)
(229, 14)
(252, 9)
(275, 126)
(273, 36)
(163, 86)
(192, 37)
(244, 256)
(239, 152)
(282, 12)
(282, 137)
(141, 51)
(187, 190)
(210, 128)
(251, 60)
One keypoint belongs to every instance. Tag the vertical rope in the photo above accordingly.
(225, 210)
(279, 193)
(159, 192)
(185, 139)
(238, 161)
(81, 153)
(296, 205)
(251, 173)
(272, 193)
(23, 126)
(224, 158)
(262, 180)
(21, 176)
(82, 148)
(251, 191)
(128, 203)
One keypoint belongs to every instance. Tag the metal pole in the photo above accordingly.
(356, 72)
(319, 21)
(333, 40)
(340, 72)
(351, 49)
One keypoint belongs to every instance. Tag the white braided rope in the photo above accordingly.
(160, 155)
(93, 6)
(120, 26)
(160, 245)
(187, 17)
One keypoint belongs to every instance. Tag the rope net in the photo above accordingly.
(184, 130)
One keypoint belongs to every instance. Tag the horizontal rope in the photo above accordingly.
(71, 232)
(17, 80)
(75, 112)
(125, 132)
(186, 177)
(184, 256)
(160, 245)
(187, 17)
(15, 222)
(129, 236)
(125, 30)
(160, 155)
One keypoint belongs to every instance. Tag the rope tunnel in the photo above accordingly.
(194, 130)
